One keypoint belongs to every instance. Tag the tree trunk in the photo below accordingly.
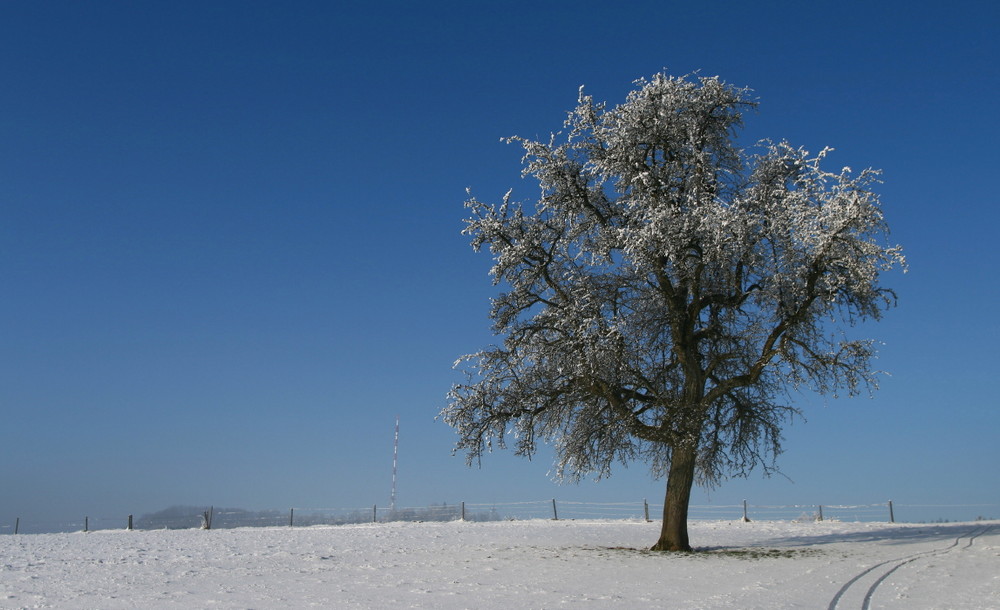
(680, 479)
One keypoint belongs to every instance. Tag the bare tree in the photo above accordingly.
(667, 291)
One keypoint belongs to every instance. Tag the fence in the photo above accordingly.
(210, 517)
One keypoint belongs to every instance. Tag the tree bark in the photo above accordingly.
(680, 479)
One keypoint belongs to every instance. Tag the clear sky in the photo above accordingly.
(230, 249)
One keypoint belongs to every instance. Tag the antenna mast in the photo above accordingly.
(395, 454)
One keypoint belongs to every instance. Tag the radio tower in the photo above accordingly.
(395, 454)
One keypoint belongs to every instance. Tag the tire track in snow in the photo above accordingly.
(898, 563)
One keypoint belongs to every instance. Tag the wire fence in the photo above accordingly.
(223, 518)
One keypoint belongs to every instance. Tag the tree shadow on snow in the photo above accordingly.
(889, 534)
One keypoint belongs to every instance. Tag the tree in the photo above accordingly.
(669, 291)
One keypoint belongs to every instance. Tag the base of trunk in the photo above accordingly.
(662, 545)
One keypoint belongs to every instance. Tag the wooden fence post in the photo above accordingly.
(745, 518)
(463, 510)
(86, 524)
(820, 517)
(129, 523)
(555, 515)
(17, 524)
(374, 513)
(291, 517)
(892, 517)
(645, 509)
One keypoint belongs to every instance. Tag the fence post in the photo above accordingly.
(86, 524)
(374, 513)
(645, 509)
(820, 517)
(129, 523)
(555, 515)
(892, 517)
(291, 517)
(17, 524)
(745, 518)
(463, 510)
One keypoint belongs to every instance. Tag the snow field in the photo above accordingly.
(519, 564)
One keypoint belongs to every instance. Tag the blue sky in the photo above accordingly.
(230, 248)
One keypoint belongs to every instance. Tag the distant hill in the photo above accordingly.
(189, 517)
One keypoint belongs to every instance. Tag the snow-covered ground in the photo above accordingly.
(510, 564)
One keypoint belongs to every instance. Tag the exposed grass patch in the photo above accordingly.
(760, 553)
(743, 553)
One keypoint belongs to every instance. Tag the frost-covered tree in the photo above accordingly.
(668, 290)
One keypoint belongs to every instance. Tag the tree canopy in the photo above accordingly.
(666, 291)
